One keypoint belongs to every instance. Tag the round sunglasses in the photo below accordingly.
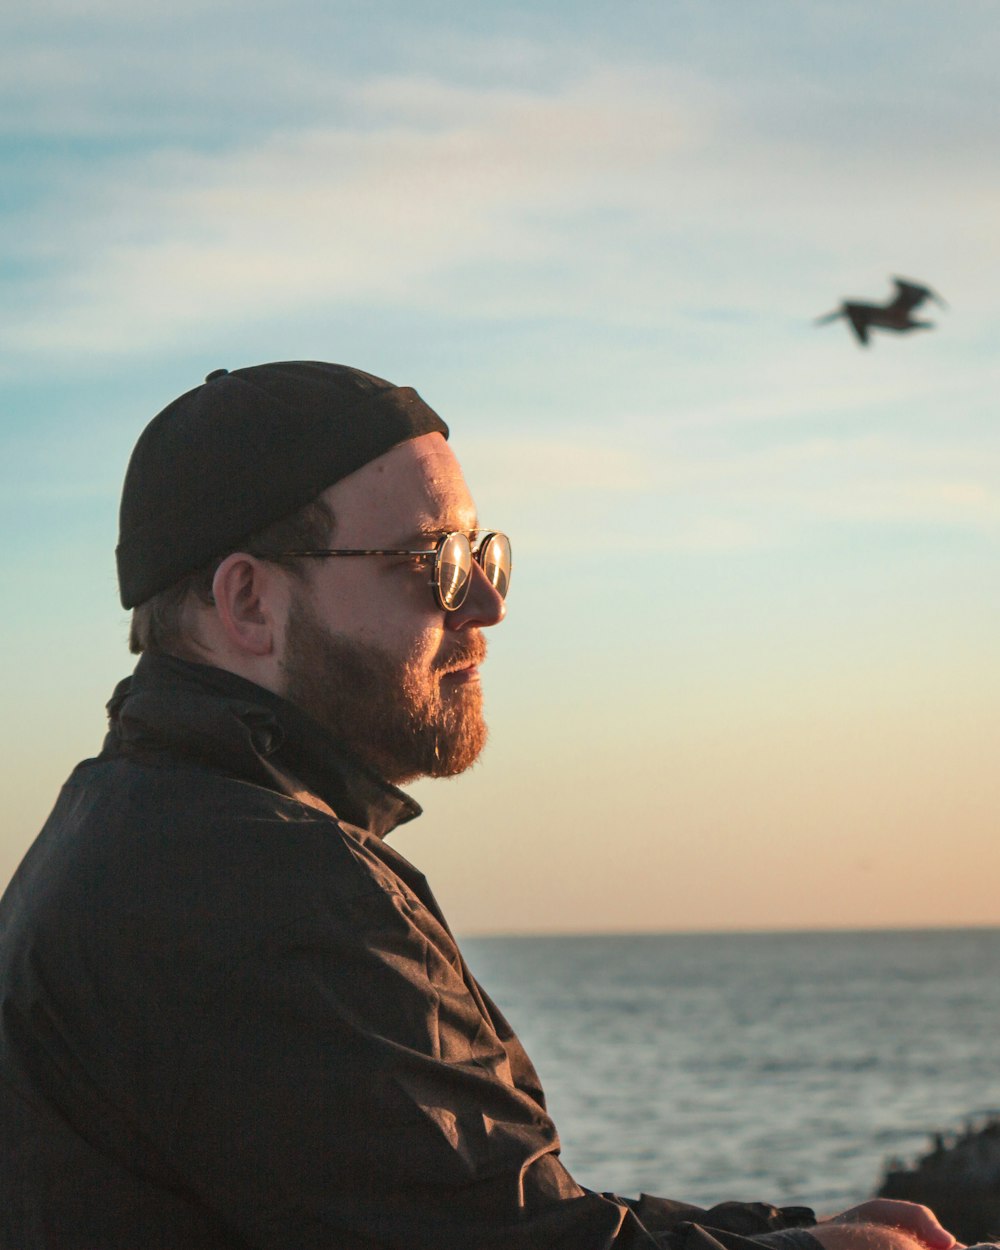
(453, 555)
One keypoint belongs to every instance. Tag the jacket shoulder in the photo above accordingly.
(183, 857)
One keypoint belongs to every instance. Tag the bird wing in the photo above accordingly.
(909, 295)
(859, 322)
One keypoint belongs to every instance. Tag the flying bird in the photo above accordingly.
(895, 315)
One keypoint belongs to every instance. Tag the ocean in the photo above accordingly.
(783, 1068)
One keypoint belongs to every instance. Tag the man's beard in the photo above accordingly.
(389, 712)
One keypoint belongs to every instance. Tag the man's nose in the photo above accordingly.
(483, 605)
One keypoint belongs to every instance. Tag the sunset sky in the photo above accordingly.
(750, 675)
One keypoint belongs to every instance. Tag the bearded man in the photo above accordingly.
(232, 1016)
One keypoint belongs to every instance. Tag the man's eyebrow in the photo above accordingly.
(427, 531)
(418, 538)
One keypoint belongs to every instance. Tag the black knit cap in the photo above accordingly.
(244, 450)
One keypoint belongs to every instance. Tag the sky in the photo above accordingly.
(748, 678)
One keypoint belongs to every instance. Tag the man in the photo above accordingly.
(232, 1016)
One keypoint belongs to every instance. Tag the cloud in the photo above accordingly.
(667, 491)
(526, 467)
(169, 242)
(635, 194)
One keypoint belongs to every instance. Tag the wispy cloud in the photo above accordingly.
(770, 496)
(229, 178)
(164, 243)
(612, 195)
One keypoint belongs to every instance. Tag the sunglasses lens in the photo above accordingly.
(494, 556)
(454, 565)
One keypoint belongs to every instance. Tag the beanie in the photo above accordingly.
(244, 450)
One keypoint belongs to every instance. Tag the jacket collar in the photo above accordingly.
(171, 708)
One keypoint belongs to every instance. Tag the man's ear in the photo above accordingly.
(247, 594)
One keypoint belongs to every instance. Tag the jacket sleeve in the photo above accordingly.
(347, 1095)
(352, 1094)
(732, 1225)
(705, 1237)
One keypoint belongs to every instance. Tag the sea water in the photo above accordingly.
(783, 1068)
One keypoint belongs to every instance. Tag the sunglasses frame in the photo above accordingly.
(484, 537)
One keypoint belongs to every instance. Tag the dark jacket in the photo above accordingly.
(233, 1017)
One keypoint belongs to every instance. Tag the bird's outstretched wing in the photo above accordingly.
(859, 323)
(856, 314)
(910, 295)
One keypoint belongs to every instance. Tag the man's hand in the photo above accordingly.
(883, 1224)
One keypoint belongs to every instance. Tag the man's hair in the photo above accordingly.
(158, 623)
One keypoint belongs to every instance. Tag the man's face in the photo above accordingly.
(367, 651)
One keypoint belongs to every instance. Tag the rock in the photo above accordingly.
(959, 1179)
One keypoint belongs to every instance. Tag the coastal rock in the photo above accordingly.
(959, 1178)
